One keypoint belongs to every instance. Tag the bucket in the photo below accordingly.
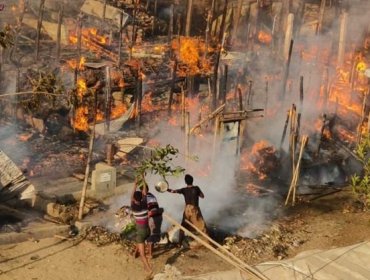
(161, 186)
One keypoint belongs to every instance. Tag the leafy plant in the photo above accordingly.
(361, 183)
(159, 162)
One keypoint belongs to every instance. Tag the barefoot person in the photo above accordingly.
(140, 211)
(192, 211)
(155, 219)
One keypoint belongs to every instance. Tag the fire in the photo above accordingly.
(81, 119)
(190, 55)
(260, 160)
(72, 63)
(90, 39)
(81, 87)
(264, 37)
(361, 66)
(118, 111)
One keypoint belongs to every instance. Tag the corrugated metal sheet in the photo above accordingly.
(12, 181)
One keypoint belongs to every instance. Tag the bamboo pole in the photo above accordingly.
(285, 129)
(120, 39)
(183, 107)
(89, 158)
(59, 30)
(249, 93)
(39, 25)
(237, 19)
(286, 73)
(301, 93)
(342, 39)
(139, 94)
(295, 177)
(224, 86)
(174, 77)
(321, 134)
(155, 11)
(170, 27)
(189, 15)
(108, 99)
(187, 135)
(240, 96)
(321, 17)
(205, 244)
(288, 35)
(266, 95)
(227, 252)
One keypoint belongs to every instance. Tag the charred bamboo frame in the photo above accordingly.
(38, 30)
(249, 93)
(212, 115)
(240, 96)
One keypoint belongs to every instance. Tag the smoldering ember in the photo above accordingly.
(265, 103)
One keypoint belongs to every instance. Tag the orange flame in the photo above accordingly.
(264, 37)
(80, 121)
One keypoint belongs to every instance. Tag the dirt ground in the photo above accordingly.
(324, 223)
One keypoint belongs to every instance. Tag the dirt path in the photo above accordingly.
(322, 224)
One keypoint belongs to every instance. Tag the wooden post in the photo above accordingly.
(133, 35)
(120, 39)
(154, 16)
(89, 158)
(39, 25)
(79, 34)
(237, 19)
(286, 73)
(59, 30)
(321, 17)
(288, 35)
(207, 33)
(224, 88)
(301, 93)
(342, 39)
(216, 132)
(173, 81)
(240, 95)
(104, 10)
(139, 94)
(249, 93)
(293, 184)
(189, 14)
(183, 107)
(108, 99)
(187, 135)
(170, 27)
(285, 129)
(266, 95)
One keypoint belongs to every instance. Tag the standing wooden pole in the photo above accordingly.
(295, 177)
(237, 19)
(38, 30)
(207, 33)
(285, 129)
(301, 93)
(286, 72)
(224, 88)
(321, 17)
(79, 34)
(216, 132)
(139, 96)
(89, 158)
(266, 95)
(249, 93)
(227, 252)
(155, 11)
(170, 27)
(120, 39)
(173, 81)
(133, 35)
(59, 30)
(288, 35)
(108, 99)
(240, 95)
(189, 15)
(183, 107)
(342, 39)
(187, 135)
(321, 134)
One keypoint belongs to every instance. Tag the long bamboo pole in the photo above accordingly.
(39, 25)
(227, 252)
(218, 253)
(189, 15)
(89, 157)
(59, 30)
